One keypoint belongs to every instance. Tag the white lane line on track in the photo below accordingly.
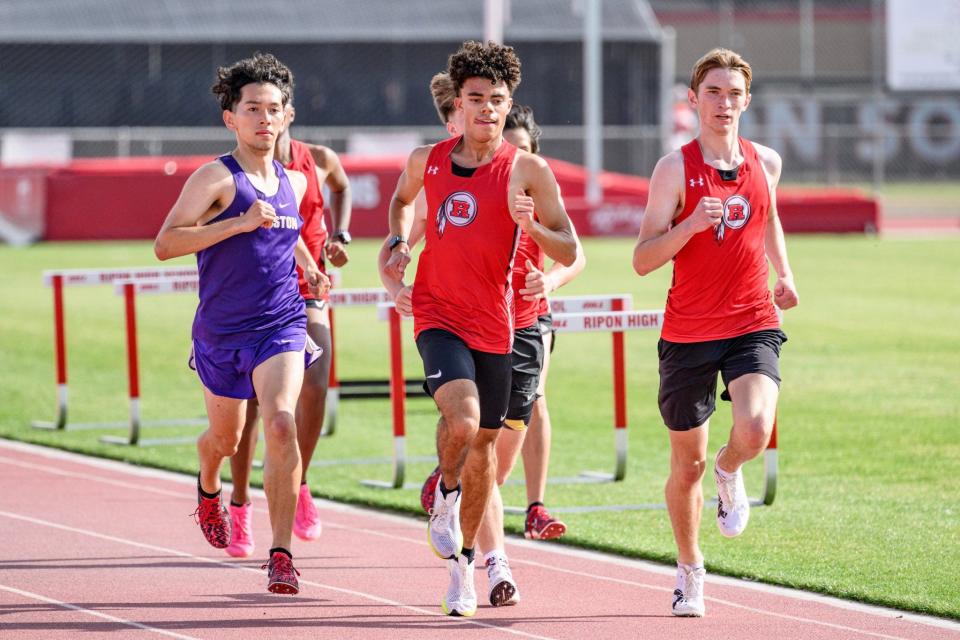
(259, 572)
(408, 521)
(95, 614)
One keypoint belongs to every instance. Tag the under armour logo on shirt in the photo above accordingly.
(433, 170)
(696, 183)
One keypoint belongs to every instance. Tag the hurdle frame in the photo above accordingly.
(58, 280)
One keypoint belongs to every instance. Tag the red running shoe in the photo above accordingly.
(429, 488)
(281, 574)
(542, 526)
(214, 520)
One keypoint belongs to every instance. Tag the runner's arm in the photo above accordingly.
(341, 200)
(402, 213)
(203, 197)
(417, 231)
(658, 242)
(784, 289)
(540, 284)
(331, 173)
(552, 230)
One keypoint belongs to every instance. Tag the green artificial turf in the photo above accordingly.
(869, 446)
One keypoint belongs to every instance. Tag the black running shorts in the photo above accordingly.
(447, 357)
(528, 353)
(688, 373)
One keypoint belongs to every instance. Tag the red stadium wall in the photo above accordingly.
(128, 198)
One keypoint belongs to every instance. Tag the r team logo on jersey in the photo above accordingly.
(459, 209)
(736, 214)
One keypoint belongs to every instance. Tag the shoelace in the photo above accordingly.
(728, 491)
(439, 514)
(240, 527)
(284, 566)
(497, 563)
(539, 518)
(693, 587)
(199, 513)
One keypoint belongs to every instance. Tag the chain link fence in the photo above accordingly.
(819, 95)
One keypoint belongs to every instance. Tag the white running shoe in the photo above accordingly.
(503, 589)
(461, 598)
(443, 530)
(688, 596)
(733, 505)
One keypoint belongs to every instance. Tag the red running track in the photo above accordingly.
(98, 549)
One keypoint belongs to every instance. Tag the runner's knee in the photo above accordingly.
(280, 429)
(688, 473)
(752, 432)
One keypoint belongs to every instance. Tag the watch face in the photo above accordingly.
(343, 236)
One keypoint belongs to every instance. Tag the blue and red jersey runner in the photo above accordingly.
(719, 287)
(463, 276)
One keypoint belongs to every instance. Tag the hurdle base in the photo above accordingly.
(581, 479)
(79, 426)
(147, 442)
(651, 506)
(379, 484)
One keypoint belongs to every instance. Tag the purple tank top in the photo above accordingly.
(248, 282)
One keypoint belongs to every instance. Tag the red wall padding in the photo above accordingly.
(128, 198)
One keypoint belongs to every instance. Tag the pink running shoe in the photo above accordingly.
(306, 524)
(281, 574)
(213, 519)
(429, 489)
(241, 542)
(541, 525)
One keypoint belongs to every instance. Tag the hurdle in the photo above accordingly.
(359, 389)
(129, 290)
(58, 280)
(610, 303)
(388, 311)
(617, 322)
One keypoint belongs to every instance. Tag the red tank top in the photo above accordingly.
(463, 275)
(314, 229)
(526, 312)
(719, 287)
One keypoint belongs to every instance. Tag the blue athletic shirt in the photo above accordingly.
(248, 282)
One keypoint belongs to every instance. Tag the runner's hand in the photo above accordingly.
(522, 210)
(260, 214)
(785, 293)
(336, 253)
(707, 215)
(537, 283)
(317, 281)
(404, 301)
(396, 264)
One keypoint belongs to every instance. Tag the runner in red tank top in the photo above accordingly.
(527, 421)
(481, 192)
(712, 211)
(321, 166)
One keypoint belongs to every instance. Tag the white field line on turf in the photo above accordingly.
(413, 523)
(95, 614)
(259, 572)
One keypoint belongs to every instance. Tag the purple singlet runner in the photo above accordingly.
(250, 305)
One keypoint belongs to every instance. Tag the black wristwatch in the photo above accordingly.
(395, 240)
(343, 237)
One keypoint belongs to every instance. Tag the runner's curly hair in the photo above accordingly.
(262, 68)
(495, 62)
(521, 117)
